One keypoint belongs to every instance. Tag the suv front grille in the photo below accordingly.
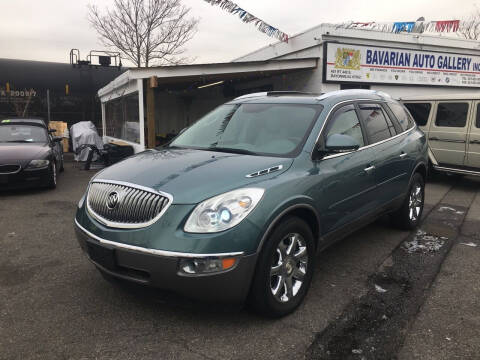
(125, 205)
(9, 169)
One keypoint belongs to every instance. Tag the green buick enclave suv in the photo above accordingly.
(237, 206)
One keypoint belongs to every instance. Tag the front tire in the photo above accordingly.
(52, 181)
(409, 215)
(284, 269)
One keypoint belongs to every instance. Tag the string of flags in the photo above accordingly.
(246, 17)
(405, 26)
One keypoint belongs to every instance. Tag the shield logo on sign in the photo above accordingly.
(396, 77)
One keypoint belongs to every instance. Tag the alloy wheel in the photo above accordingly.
(415, 202)
(289, 267)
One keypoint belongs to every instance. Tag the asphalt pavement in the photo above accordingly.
(55, 305)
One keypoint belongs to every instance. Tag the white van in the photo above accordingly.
(452, 125)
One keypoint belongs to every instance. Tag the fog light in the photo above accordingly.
(206, 266)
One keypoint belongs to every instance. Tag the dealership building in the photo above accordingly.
(144, 107)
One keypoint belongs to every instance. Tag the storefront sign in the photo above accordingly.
(371, 64)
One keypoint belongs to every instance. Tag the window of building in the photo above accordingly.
(376, 124)
(345, 122)
(451, 114)
(122, 118)
(401, 115)
(420, 112)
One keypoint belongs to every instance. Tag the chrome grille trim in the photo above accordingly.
(138, 206)
(167, 253)
(6, 169)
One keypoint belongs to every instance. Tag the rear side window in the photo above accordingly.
(451, 114)
(419, 111)
(401, 115)
(345, 122)
(376, 122)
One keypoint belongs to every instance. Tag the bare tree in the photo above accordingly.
(146, 32)
(470, 27)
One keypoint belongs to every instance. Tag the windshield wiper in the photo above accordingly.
(20, 141)
(231, 150)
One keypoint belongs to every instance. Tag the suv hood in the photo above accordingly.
(191, 175)
(22, 153)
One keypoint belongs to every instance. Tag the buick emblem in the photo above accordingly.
(112, 200)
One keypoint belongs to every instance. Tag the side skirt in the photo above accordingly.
(458, 170)
(338, 234)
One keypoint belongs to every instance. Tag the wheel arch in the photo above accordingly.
(422, 169)
(303, 211)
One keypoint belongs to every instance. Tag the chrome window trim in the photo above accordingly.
(363, 147)
(335, 107)
(114, 224)
(165, 253)
(370, 145)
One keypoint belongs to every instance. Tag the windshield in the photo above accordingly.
(258, 129)
(23, 133)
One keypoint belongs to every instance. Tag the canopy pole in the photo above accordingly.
(151, 131)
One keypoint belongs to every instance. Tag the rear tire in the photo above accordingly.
(284, 269)
(410, 214)
(62, 168)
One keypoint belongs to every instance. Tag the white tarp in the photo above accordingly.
(82, 133)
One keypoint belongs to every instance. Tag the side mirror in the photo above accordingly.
(57, 139)
(338, 143)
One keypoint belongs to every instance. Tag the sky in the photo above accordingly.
(46, 30)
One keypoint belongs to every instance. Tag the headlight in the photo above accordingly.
(223, 211)
(35, 164)
(82, 200)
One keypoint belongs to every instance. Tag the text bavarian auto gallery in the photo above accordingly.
(421, 61)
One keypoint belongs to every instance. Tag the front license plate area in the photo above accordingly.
(102, 256)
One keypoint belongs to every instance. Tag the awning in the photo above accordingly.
(207, 73)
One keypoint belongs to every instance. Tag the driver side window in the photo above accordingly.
(345, 122)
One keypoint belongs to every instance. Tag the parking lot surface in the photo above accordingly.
(55, 305)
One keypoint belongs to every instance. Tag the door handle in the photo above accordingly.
(474, 141)
(402, 155)
(368, 169)
(434, 138)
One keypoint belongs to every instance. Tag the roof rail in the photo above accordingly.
(274, 93)
(252, 95)
(280, 93)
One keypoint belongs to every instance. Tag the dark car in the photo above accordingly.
(29, 155)
(239, 204)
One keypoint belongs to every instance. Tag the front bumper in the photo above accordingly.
(25, 179)
(160, 269)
